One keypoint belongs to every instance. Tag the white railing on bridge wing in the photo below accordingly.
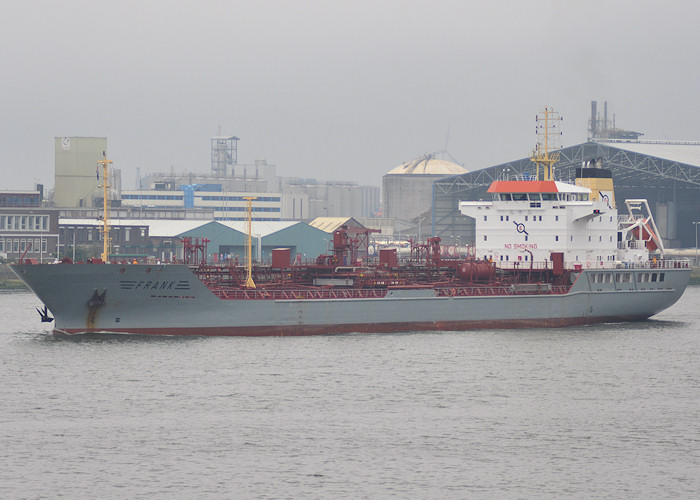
(631, 244)
(656, 264)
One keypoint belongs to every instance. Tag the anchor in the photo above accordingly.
(97, 299)
(44, 313)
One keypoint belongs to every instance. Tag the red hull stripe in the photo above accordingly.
(297, 330)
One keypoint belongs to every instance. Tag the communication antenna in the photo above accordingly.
(106, 241)
(249, 283)
(548, 132)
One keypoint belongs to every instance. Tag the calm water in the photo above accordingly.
(610, 411)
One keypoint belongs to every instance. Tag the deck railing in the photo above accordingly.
(656, 264)
(458, 291)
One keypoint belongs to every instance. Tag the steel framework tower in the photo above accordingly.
(224, 154)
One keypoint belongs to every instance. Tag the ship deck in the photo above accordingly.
(326, 294)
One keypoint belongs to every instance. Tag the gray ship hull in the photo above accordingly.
(171, 300)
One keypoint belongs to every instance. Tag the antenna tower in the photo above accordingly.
(548, 131)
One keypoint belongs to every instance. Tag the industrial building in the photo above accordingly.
(226, 240)
(278, 198)
(407, 190)
(304, 199)
(77, 177)
(150, 239)
(223, 205)
(228, 182)
(26, 228)
(220, 192)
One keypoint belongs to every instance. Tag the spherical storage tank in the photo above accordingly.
(407, 190)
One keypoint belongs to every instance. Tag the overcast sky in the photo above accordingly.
(337, 90)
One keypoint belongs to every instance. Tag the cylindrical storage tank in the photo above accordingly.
(476, 271)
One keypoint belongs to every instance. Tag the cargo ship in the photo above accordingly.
(546, 254)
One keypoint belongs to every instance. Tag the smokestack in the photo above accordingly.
(594, 112)
(605, 116)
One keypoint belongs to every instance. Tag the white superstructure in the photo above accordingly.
(527, 221)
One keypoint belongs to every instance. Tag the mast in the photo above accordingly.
(249, 283)
(106, 241)
(548, 130)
